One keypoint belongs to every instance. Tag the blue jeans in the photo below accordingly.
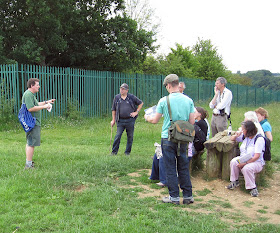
(176, 164)
(128, 125)
(158, 170)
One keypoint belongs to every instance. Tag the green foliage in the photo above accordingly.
(203, 192)
(248, 203)
(72, 110)
(277, 212)
(210, 62)
(238, 79)
(264, 79)
(7, 115)
(202, 61)
(84, 34)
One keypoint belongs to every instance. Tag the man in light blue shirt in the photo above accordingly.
(182, 108)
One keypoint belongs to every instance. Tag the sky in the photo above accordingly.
(245, 32)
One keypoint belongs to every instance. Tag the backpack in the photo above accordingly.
(26, 119)
(199, 138)
(267, 151)
(180, 131)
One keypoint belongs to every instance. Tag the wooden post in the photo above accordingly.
(213, 163)
(227, 157)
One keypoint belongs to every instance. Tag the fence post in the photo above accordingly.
(198, 90)
(136, 84)
(237, 99)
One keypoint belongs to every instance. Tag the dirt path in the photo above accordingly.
(236, 206)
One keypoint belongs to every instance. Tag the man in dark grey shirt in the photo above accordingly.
(125, 110)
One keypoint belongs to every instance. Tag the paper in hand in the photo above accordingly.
(151, 111)
(49, 107)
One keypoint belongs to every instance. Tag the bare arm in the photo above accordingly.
(51, 101)
(269, 135)
(191, 118)
(38, 108)
(113, 118)
(134, 114)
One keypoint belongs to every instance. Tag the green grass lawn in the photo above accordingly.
(78, 187)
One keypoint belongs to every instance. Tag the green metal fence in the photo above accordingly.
(93, 91)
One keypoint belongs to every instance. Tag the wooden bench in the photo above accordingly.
(220, 151)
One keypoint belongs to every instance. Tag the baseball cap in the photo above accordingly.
(124, 86)
(170, 78)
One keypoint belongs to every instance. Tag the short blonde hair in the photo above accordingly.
(262, 112)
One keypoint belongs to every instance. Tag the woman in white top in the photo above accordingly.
(253, 163)
(252, 116)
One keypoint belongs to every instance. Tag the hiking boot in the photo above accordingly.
(167, 200)
(160, 184)
(254, 192)
(188, 201)
(233, 185)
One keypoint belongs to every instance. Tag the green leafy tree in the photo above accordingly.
(264, 79)
(83, 34)
(210, 62)
(238, 79)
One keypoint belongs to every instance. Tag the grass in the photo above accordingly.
(78, 187)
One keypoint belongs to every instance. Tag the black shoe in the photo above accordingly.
(188, 201)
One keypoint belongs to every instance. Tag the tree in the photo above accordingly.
(238, 79)
(264, 79)
(143, 14)
(210, 62)
(83, 34)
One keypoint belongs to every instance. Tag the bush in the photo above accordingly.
(7, 114)
(72, 111)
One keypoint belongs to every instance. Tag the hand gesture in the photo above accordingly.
(51, 101)
(216, 90)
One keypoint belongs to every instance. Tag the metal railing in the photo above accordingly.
(93, 91)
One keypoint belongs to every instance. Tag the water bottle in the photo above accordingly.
(229, 129)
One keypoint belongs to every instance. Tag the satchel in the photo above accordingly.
(179, 131)
(26, 119)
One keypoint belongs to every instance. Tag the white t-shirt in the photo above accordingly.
(248, 147)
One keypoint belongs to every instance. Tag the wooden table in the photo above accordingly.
(220, 151)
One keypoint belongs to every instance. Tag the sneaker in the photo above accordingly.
(30, 167)
(160, 184)
(127, 154)
(167, 200)
(188, 201)
(113, 154)
(254, 192)
(233, 185)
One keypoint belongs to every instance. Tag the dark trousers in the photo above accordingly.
(128, 125)
(176, 164)
(158, 170)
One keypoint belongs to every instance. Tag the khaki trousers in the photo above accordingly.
(218, 124)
